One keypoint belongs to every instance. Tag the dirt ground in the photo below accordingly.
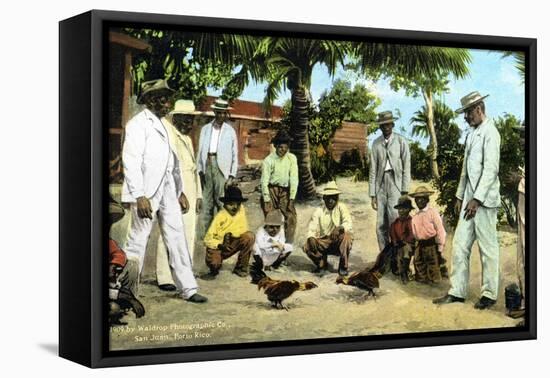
(237, 312)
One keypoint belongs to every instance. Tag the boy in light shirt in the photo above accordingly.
(430, 234)
(271, 248)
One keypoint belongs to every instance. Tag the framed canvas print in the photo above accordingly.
(234, 188)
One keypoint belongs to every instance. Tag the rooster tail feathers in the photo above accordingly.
(256, 271)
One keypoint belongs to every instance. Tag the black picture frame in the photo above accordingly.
(83, 191)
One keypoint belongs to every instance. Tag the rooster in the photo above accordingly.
(277, 290)
(367, 279)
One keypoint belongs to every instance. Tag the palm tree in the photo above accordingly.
(420, 70)
(520, 62)
(444, 116)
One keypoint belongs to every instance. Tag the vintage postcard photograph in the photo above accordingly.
(284, 187)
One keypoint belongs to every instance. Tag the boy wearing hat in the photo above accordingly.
(402, 238)
(179, 124)
(217, 159)
(430, 235)
(271, 248)
(228, 234)
(279, 182)
(330, 232)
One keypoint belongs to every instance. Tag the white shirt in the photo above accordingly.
(214, 138)
(264, 248)
(388, 164)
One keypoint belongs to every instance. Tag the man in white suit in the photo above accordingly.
(389, 175)
(153, 187)
(178, 124)
(478, 199)
(217, 160)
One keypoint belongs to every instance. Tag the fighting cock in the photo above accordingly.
(277, 290)
(367, 279)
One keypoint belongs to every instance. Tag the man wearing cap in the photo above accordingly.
(271, 246)
(478, 199)
(229, 234)
(153, 186)
(217, 159)
(389, 175)
(330, 232)
(279, 182)
(179, 124)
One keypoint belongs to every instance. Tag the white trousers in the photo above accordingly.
(166, 207)
(483, 228)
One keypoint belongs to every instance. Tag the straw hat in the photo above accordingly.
(331, 189)
(421, 191)
(470, 100)
(274, 218)
(220, 105)
(184, 107)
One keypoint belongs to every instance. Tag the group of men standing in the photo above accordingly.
(163, 178)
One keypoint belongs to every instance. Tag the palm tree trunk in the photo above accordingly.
(428, 99)
(299, 124)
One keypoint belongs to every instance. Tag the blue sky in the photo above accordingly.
(490, 73)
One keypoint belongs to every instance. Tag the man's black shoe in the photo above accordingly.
(484, 303)
(342, 272)
(447, 299)
(167, 287)
(197, 298)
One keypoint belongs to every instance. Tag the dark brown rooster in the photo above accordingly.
(367, 279)
(278, 291)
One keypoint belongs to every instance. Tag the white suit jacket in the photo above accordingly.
(397, 151)
(227, 154)
(481, 165)
(145, 156)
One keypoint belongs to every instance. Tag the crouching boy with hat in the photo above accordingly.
(228, 234)
(271, 248)
(430, 235)
(330, 232)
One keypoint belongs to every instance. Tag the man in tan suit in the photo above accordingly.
(179, 123)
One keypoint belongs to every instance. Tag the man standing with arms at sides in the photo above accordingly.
(478, 199)
(153, 186)
(389, 175)
(217, 160)
(279, 182)
(179, 124)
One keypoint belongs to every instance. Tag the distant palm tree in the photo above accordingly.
(444, 117)
(520, 62)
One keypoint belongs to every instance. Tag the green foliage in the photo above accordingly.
(449, 159)
(174, 57)
(420, 162)
(512, 156)
(323, 166)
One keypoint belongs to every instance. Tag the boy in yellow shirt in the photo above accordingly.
(228, 234)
